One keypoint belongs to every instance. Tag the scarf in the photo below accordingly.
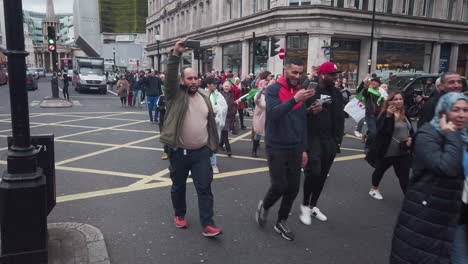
(376, 93)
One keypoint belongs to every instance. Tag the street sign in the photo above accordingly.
(281, 54)
(369, 62)
(52, 47)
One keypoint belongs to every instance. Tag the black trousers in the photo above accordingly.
(285, 176)
(65, 92)
(317, 170)
(198, 162)
(241, 117)
(401, 165)
(225, 140)
(123, 100)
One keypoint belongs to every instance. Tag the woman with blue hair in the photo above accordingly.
(431, 227)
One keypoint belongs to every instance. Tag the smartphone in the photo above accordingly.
(312, 85)
(390, 103)
(193, 44)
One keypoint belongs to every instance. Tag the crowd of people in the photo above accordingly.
(301, 119)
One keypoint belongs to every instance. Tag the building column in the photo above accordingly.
(316, 55)
(275, 64)
(453, 62)
(245, 58)
(218, 58)
(43, 60)
(435, 60)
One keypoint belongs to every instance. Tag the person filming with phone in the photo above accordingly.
(190, 132)
(392, 145)
(325, 125)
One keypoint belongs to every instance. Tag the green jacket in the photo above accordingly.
(177, 100)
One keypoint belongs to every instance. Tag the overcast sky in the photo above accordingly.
(61, 6)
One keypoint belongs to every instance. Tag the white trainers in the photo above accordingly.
(215, 169)
(319, 215)
(375, 194)
(358, 134)
(305, 215)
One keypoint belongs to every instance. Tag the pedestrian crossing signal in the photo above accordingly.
(51, 39)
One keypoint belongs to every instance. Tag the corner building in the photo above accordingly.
(410, 35)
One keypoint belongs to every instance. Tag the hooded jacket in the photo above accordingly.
(286, 120)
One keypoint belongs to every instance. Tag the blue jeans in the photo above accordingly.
(198, 162)
(152, 100)
(213, 159)
(137, 97)
(257, 136)
(460, 246)
(371, 131)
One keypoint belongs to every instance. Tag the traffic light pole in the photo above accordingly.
(253, 52)
(23, 216)
(369, 70)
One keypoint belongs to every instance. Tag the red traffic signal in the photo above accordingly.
(52, 47)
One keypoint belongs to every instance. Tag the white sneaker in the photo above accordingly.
(358, 134)
(317, 214)
(375, 194)
(215, 169)
(305, 215)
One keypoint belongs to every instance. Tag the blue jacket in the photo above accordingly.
(286, 121)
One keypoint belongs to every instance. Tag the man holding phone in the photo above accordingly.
(286, 140)
(191, 134)
(325, 125)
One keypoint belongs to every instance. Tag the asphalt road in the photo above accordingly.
(110, 175)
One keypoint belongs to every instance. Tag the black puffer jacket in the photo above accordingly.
(432, 206)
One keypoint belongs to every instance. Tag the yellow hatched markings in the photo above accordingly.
(104, 150)
(113, 129)
(155, 177)
(117, 113)
(98, 129)
(106, 118)
(240, 137)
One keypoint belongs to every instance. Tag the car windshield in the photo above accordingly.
(91, 71)
(399, 82)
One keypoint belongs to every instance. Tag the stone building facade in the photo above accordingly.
(410, 35)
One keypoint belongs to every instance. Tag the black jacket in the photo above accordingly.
(285, 128)
(385, 128)
(327, 124)
(153, 87)
(432, 206)
(428, 110)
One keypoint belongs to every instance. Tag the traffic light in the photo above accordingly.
(199, 54)
(258, 48)
(51, 39)
(274, 46)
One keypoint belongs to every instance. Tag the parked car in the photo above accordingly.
(31, 83)
(37, 72)
(3, 76)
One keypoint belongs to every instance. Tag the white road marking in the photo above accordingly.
(35, 103)
(111, 92)
(76, 102)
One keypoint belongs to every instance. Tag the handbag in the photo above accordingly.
(235, 126)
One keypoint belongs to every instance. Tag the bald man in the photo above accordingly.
(190, 132)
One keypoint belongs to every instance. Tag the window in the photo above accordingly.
(408, 7)
(388, 6)
(403, 10)
(465, 11)
(267, 4)
(340, 3)
(298, 2)
(451, 5)
(428, 7)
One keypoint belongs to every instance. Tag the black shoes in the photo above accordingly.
(261, 214)
(282, 228)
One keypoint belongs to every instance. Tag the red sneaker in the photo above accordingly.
(210, 231)
(180, 222)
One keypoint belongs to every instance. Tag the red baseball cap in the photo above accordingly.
(328, 67)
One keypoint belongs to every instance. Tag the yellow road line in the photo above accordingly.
(156, 176)
(99, 129)
(93, 127)
(112, 173)
(106, 118)
(351, 136)
(240, 137)
(351, 149)
(103, 151)
(353, 157)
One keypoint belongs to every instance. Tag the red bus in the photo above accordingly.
(66, 63)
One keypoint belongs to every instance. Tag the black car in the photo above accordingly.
(31, 83)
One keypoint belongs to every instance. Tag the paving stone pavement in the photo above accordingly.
(74, 243)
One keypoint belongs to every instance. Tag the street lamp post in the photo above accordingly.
(113, 50)
(23, 216)
(372, 38)
(158, 41)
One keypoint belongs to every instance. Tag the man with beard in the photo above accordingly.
(191, 135)
(325, 125)
(449, 82)
(286, 139)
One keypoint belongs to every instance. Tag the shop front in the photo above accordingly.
(345, 54)
(297, 46)
(232, 56)
(403, 56)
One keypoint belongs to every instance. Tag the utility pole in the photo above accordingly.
(23, 213)
(254, 42)
(372, 39)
